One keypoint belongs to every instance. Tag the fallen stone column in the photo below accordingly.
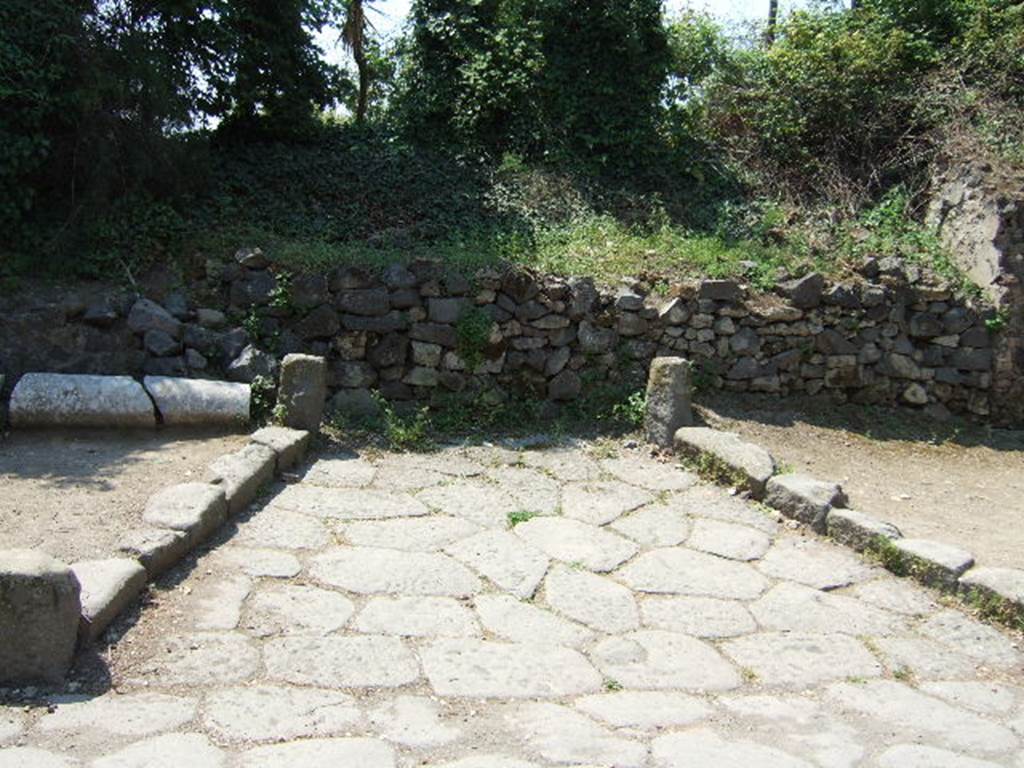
(73, 400)
(198, 401)
(39, 614)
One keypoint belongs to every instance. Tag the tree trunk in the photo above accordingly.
(773, 19)
(364, 84)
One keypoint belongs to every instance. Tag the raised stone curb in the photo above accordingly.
(195, 509)
(932, 562)
(157, 549)
(241, 474)
(857, 530)
(803, 498)
(108, 586)
(1002, 584)
(39, 614)
(198, 401)
(290, 445)
(74, 400)
(752, 462)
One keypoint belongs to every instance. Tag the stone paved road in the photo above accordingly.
(383, 613)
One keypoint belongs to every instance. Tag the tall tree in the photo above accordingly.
(355, 32)
(773, 21)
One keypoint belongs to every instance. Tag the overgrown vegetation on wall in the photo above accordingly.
(594, 137)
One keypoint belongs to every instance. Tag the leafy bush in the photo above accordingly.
(830, 101)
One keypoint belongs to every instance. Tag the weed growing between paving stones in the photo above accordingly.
(712, 469)
(994, 608)
(520, 516)
(888, 555)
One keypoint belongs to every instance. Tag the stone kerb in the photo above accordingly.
(998, 592)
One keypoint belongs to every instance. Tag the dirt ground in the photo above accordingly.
(956, 482)
(74, 494)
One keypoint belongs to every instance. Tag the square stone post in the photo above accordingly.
(668, 399)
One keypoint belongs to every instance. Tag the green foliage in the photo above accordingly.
(410, 432)
(832, 97)
(632, 410)
(520, 516)
(712, 469)
(263, 403)
(605, 64)
(473, 331)
(998, 322)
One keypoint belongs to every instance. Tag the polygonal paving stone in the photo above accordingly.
(417, 617)
(644, 709)
(656, 525)
(340, 473)
(531, 490)
(736, 542)
(522, 622)
(414, 534)
(488, 669)
(487, 761)
(924, 659)
(654, 659)
(276, 713)
(795, 660)
(347, 504)
(504, 558)
(896, 595)
(31, 757)
(361, 661)
(970, 637)
(917, 717)
(796, 608)
(217, 602)
(593, 600)
(322, 753)
(574, 542)
(703, 746)
(281, 529)
(281, 609)
(650, 474)
(685, 572)
(413, 721)
(12, 724)
(404, 476)
(369, 571)
(561, 735)
(921, 756)
(712, 502)
(477, 501)
(568, 466)
(697, 616)
(814, 563)
(203, 658)
(794, 721)
(600, 503)
(987, 698)
(133, 714)
(454, 462)
(258, 562)
(169, 751)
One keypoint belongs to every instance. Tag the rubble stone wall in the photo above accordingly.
(413, 331)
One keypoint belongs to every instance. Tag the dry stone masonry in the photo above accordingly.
(413, 332)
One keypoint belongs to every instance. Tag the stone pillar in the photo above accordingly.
(668, 399)
(39, 614)
(303, 391)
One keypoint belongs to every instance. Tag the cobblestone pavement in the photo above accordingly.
(383, 612)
